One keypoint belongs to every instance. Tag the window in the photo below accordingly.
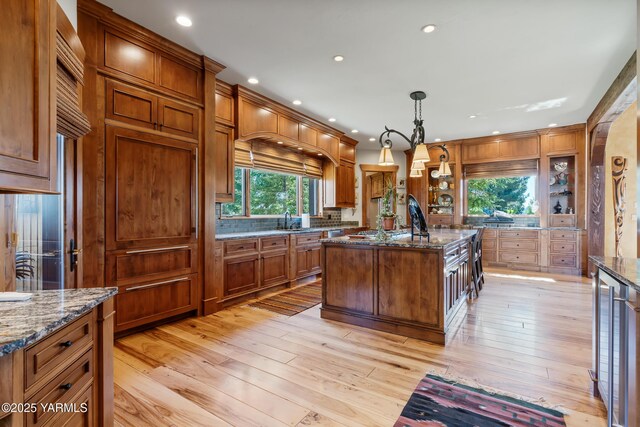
(259, 192)
(513, 195)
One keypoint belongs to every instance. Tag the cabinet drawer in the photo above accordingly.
(563, 235)
(135, 266)
(490, 233)
(138, 304)
(61, 389)
(519, 234)
(79, 418)
(56, 350)
(519, 244)
(488, 243)
(273, 243)
(560, 220)
(489, 256)
(440, 219)
(563, 260)
(519, 257)
(307, 238)
(568, 248)
(240, 247)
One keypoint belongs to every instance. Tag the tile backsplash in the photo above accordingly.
(518, 221)
(331, 217)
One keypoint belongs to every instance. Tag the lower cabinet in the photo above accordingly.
(274, 268)
(241, 274)
(308, 261)
(71, 366)
(139, 304)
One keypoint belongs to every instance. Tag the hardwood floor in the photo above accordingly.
(529, 335)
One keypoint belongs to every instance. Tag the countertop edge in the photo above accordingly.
(268, 233)
(13, 346)
(600, 262)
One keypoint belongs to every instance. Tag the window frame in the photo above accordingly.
(246, 196)
(465, 196)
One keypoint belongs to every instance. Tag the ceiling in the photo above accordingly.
(516, 64)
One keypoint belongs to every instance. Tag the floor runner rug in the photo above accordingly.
(441, 402)
(293, 301)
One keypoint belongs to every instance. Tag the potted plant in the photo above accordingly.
(387, 215)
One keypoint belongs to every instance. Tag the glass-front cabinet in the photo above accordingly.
(562, 191)
(441, 193)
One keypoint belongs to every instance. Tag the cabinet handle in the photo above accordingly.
(66, 386)
(151, 285)
(66, 344)
(168, 248)
(155, 125)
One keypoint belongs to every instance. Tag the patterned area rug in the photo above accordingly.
(293, 301)
(440, 402)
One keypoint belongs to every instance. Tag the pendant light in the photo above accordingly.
(416, 142)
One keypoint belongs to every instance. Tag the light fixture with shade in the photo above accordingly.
(417, 143)
(386, 158)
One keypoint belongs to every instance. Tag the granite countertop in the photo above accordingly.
(439, 239)
(267, 233)
(626, 270)
(25, 322)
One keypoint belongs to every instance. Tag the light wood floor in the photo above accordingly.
(529, 335)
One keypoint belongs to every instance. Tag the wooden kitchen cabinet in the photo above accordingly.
(241, 274)
(307, 254)
(225, 164)
(28, 154)
(150, 190)
(141, 108)
(274, 268)
(128, 58)
(339, 185)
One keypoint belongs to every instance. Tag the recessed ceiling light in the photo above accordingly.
(297, 102)
(300, 148)
(320, 154)
(430, 28)
(332, 119)
(354, 130)
(437, 140)
(184, 21)
(338, 58)
(372, 139)
(253, 80)
(280, 142)
(552, 125)
(473, 116)
(495, 132)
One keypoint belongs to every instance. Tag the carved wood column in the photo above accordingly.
(595, 194)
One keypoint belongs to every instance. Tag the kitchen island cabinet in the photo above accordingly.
(411, 288)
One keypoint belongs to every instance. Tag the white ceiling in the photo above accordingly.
(517, 64)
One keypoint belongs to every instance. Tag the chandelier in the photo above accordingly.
(419, 147)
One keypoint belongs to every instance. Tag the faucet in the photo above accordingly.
(285, 219)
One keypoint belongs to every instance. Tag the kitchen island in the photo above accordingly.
(411, 288)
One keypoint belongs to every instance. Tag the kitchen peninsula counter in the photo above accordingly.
(411, 288)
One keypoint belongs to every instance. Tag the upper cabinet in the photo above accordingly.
(27, 79)
(260, 118)
(526, 146)
(141, 108)
(127, 58)
(339, 181)
(224, 104)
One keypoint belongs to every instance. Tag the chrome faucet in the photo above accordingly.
(285, 219)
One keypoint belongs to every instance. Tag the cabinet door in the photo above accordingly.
(274, 268)
(27, 79)
(130, 105)
(377, 185)
(225, 164)
(150, 190)
(313, 259)
(241, 274)
(345, 185)
(178, 119)
(302, 267)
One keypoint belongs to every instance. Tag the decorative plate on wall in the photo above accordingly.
(445, 200)
(444, 185)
